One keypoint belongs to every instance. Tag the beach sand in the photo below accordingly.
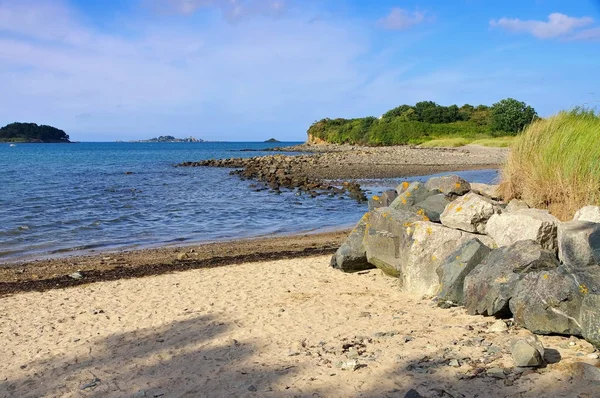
(263, 329)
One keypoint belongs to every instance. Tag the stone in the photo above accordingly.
(349, 365)
(182, 256)
(497, 373)
(588, 213)
(469, 213)
(590, 319)
(516, 204)
(487, 190)
(414, 193)
(510, 227)
(351, 255)
(383, 200)
(432, 207)
(582, 371)
(76, 275)
(456, 267)
(412, 393)
(498, 327)
(550, 301)
(528, 352)
(579, 243)
(489, 287)
(448, 185)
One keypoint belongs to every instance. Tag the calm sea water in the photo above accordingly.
(58, 199)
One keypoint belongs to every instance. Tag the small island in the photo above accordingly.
(170, 138)
(272, 140)
(31, 132)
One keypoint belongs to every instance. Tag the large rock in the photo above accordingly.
(579, 243)
(456, 267)
(588, 213)
(469, 213)
(550, 301)
(516, 204)
(528, 352)
(352, 256)
(414, 193)
(590, 318)
(524, 224)
(382, 200)
(487, 190)
(432, 207)
(448, 185)
(489, 286)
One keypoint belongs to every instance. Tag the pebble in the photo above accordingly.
(497, 373)
(593, 356)
(76, 275)
(498, 327)
(454, 363)
(349, 365)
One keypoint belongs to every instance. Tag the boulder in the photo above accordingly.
(516, 204)
(538, 225)
(469, 213)
(448, 185)
(590, 318)
(351, 255)
(382, 200)
(487, 190)
(579, 243)
(550, 301)
(588, 213)
(414, 193)
(528, 352)
(490, 285)
(432, 207)
(456, 267)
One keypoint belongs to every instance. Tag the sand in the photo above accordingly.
(264, 329)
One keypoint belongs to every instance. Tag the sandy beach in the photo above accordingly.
(285, 328)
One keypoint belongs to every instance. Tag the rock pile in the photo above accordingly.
(462, 245)
(279, 171)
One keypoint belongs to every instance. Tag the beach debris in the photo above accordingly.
(76, 275)
(528, 352)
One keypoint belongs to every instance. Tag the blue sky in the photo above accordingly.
(254, 69)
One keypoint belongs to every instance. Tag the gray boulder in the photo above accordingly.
(490, 285)
(528, 352)
(382, 200)
(588, 213)
(590, 318)
(448, 185)
(579, 243)
(414, 193)
(456, 267)
(351, 255)
(487, 190)
(516, 204)
(538, 225)
(469, 213)
(550, 301)
(432, 207)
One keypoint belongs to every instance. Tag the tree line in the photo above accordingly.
(31, 132)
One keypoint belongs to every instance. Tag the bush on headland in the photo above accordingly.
(555, 163)
(426, 121)
(31, 132)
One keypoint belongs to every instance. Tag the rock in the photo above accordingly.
(351, 255)
(528, 352)
(456, 267)
(412, 393)
(414, 193)
(349, 365)
(448, 185)
(182, 256)
(497, 373)
(588, 213)
(516, 204)
(432, 207)
(534, 224)
(582, 371)
(487, 190)
(579, 243)
(490, 285)
(498, 327)
(469, 213)
(590, 319)
(76, 275)
(383, 200)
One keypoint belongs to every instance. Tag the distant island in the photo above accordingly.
(272, 140)
(170, 138)
(31, 132)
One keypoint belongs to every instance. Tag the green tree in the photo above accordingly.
(511, 116)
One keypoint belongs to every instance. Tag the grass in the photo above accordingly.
(500, 142)
(445, 142)
(452, 142)
(555, 163)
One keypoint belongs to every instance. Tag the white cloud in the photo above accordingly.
(592, 34)
(558, 25)
(400, 19)
(233, 10)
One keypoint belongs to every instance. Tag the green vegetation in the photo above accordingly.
(31, 132)
(555, 163)
(427, 121)
(500, 142)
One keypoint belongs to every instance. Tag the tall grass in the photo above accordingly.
(555, 163)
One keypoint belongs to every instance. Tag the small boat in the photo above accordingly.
(13, 144)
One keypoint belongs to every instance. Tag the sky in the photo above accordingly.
(249, 70)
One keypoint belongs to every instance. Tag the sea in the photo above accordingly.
(64, 199)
